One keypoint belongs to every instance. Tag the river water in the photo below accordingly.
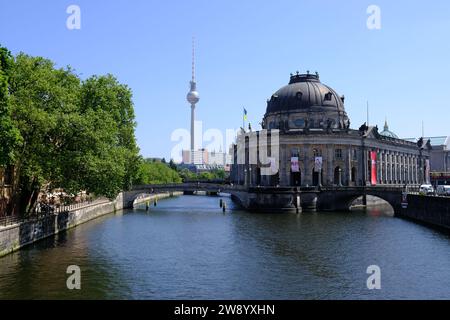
(186, 248)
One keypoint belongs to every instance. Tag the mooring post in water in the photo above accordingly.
(155, 202)
(147, 205)
(221, 203)
(224, 206)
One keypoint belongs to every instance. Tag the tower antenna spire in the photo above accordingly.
(367, 112)
(193, 58)
(423, 129)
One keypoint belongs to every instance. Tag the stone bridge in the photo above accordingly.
(280, 199)
(341, 198)
(186, 188)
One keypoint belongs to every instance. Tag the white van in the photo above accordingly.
(443, 190)
(426, 189)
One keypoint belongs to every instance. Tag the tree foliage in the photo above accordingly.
(9, 135)
(156, 173)
(216, 174)
(64, 132)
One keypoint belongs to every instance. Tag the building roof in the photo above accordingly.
(305, 91)
(387, 133)
(435, 141)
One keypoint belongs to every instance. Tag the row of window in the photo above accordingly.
(301, 123)
(295, 152)
(327, 96)
(338, 154)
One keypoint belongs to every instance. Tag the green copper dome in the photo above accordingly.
(387, 133)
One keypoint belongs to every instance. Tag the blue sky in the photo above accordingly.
(245, 51)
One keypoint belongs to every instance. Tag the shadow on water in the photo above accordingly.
(39, 270)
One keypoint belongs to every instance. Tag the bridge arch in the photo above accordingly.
(341, 200)
(353, 201)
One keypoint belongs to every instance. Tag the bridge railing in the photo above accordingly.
(9, 220)
(231, 187)
(180, 186)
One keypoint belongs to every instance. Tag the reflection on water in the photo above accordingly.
(186, 248)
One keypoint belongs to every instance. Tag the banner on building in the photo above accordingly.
(373, 175)
(318, 164)
(294, 165)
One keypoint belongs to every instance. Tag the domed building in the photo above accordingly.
(387, 133)
(306, 103)
(310, 143)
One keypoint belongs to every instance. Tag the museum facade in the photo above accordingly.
(315, 145)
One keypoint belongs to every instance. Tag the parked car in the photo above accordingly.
(443, 190)
(426, 189)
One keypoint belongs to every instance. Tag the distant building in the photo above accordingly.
(195, 157)
(217, 158)
(186, 157)
(439, 159)
(439, 154)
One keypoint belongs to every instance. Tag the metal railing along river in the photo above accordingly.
(43, 210)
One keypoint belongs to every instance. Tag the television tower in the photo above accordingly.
(193, 98)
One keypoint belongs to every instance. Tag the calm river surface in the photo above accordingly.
(186, 248)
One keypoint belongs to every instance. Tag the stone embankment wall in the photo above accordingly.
(17, 236)
(434, 211)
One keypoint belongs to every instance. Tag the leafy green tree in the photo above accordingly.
(186, 174)
(219, 174)
(106, 96)
(64, 133)
(111, 102)
(206, 176)
(172, 165)
(10, 137)
(156, 173)
(41, 98)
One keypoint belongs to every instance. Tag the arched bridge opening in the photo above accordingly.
(370, 202)
(343, 199)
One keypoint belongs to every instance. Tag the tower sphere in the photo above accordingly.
(193, 97)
